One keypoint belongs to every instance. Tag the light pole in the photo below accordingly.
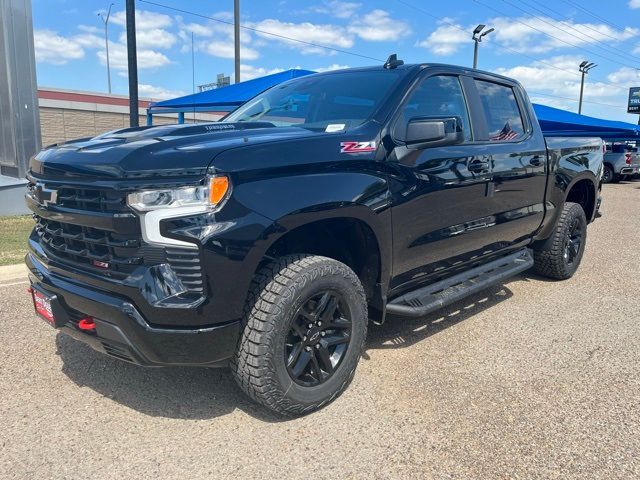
(132, 63)
(105, 19)
(584, 68)
(477, 38)
(236, 37)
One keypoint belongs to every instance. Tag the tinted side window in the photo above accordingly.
(502, 113)
(439, 96)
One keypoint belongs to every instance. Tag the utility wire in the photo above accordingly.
(263, 32)
(542, 62)
(596, 42)
(589, 12)
(574, 100)
(588, 27)
(553, 36)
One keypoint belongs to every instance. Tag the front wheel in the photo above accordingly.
(305, 328)
(562, 253)
(607, 174)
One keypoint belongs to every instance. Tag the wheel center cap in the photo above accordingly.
(313, 335)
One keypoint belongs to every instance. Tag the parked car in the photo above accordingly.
(620, 161)
(268, 241)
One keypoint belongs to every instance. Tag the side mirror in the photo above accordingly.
(424, 132)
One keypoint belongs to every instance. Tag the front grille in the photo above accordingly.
(90, 247)
(105, 252)
(92, 200)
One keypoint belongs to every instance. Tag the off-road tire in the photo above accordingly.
(550, 260)
(277, 292)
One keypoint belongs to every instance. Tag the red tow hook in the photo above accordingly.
(87, 324)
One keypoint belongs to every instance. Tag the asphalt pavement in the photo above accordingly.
(531, 379)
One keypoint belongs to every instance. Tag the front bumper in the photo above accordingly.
(123, 333)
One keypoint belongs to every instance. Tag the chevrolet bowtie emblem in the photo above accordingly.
(46, 196)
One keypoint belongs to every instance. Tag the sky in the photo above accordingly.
(538, 42)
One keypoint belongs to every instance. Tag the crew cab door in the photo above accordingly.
(440, 208)
(518, 156)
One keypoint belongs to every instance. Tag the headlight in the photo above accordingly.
(212, 194)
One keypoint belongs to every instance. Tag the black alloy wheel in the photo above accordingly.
(573, 242)
(318, 338)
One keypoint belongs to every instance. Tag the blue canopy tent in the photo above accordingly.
(224, 99)
(556, 122)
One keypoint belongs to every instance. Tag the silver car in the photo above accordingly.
(620, 160)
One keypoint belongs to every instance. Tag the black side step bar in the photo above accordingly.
(432, 297)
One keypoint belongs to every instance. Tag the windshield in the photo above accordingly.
(329, 103)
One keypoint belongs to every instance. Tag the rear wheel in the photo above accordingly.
(607, 174)
(305, 327)
(562, 253)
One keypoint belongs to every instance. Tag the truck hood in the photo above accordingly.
(145, 152)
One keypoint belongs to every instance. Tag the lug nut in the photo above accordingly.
(317, 345)
(323, 333)
(307, 349)
(311, 325)
(319, 323)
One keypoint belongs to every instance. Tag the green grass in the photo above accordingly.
(14, 232)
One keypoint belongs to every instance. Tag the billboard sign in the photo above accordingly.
(634, 100)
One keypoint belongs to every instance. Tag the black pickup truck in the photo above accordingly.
(269, 240)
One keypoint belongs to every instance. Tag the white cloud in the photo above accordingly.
(378, 26)
(335, 8)
(145, 20)
(343, 9)
(445, 40)
(249, 72)
(158, 93)
(536, 38)
(118, 57)
(634, 3)
(226, 49)
(330, 68)
(50, 47)
(625, 76)
(559, 77)
(89, 40)
(323, 34)
(152, 38)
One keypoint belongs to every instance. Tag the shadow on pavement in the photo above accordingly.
(205, 393)
(173, 392)
(402, 332)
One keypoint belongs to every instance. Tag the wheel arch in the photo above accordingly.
(350, 235)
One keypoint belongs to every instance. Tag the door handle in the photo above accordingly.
(478, 166)
(536, 161)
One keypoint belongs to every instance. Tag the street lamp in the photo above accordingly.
(105, 19)
(584, 68)
(477, 38)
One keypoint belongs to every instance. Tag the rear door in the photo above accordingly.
(518, 157)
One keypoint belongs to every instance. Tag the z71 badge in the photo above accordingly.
(357, 147)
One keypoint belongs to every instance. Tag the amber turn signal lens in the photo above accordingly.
(218, 187)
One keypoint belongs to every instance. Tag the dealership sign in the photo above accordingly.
(634, 100)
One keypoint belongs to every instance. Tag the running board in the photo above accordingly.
(432, 297)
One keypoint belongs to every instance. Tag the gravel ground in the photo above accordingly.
(533, 379)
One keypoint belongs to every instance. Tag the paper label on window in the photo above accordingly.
(335, 127)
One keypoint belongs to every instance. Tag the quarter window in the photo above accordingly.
(504, 120)
(439, 96)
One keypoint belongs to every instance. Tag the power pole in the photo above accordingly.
(132, 63)
(236, 37)
(105, 19)
(584, 68)
(477, 38)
